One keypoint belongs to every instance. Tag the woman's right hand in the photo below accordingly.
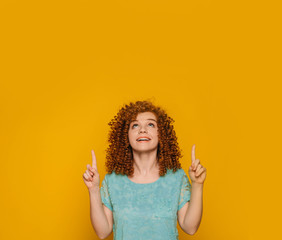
(91, 176)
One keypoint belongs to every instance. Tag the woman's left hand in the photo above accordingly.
(197, 172)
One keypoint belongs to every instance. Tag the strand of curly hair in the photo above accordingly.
(119, 157)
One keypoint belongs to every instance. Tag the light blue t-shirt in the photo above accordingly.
(145, 211)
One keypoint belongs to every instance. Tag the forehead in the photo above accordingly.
(145, 116)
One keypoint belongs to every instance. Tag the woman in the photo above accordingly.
(145, 191)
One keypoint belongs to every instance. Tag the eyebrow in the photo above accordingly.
(147, 119)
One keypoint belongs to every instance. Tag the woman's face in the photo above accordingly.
(143, 132)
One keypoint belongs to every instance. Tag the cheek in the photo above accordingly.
(131, 137)
(156, 133)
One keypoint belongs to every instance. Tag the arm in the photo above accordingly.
(190, 215)
(101, 216)
(189, 218)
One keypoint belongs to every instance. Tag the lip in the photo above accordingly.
(143, 137)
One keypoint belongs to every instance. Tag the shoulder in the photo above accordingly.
(113, 177)
(174, 177)
(179, 172)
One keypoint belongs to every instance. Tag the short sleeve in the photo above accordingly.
(185, 191)
(105, 196)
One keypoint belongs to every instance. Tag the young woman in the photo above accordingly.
(145, 191)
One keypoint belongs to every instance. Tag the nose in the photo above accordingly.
(142, 129)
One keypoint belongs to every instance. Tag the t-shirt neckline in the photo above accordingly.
(143, 184)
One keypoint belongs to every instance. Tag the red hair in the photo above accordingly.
(119, 156)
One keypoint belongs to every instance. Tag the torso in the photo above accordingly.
(145, 211)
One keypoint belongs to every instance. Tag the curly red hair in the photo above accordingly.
(119, 157)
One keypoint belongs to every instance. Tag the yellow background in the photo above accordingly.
(68, 66)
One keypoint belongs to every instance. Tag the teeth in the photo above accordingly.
(143, 139)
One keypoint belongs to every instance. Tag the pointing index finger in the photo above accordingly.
(193, 153)
(94, 163)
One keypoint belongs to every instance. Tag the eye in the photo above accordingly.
(134, 125)
(152, 124)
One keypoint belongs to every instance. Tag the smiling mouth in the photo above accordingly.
(143, 140)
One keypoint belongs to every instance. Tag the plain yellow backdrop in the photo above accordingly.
(68, 66)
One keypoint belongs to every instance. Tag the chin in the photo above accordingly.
(145, 149)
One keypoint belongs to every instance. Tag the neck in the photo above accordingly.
(145, 163)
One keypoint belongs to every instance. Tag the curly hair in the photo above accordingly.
(119, 157)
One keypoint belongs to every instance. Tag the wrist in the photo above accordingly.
(94, 190)
(195, 184)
